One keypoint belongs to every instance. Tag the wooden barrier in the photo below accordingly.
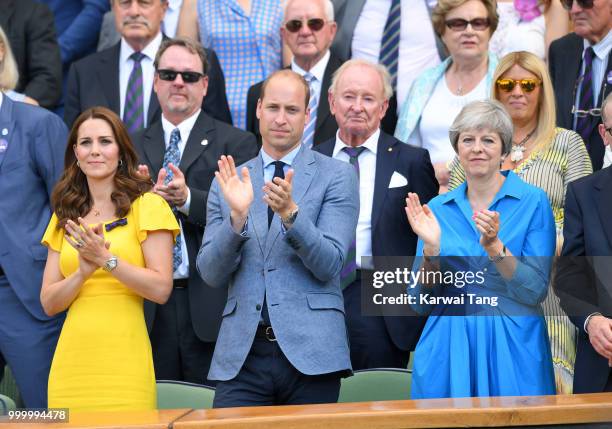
(582, 410)
(432, 413)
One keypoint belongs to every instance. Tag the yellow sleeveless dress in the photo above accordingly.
(103, 359)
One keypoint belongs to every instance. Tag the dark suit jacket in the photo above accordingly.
(391, 232)
(326, 126)
(30, 30)
(198, 163)
(584, 277)
(94, 81)
(564, 60)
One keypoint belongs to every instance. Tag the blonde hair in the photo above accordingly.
(547, 112)
(9, 76)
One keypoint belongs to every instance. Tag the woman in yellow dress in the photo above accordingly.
(109, 246)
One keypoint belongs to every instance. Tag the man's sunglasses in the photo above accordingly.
(295, 25)
(188, 76)
(527, 84)
(460, 24)
(584, 4)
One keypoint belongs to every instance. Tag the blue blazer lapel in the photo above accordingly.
(386, 158)
(7, 125)
(304, 167)
(258, 214)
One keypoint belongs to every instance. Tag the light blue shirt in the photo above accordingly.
(268, 166)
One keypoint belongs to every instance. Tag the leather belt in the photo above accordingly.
(180, 283)
(265, 332)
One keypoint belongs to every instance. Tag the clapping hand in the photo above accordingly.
(90, 245)
(487, 223)
(175, 191)
(237, 191)
(277, 195)
(424, 224)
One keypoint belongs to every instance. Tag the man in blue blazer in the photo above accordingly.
(584, 278)
(278, 230)
(389, 169)
(32, 144)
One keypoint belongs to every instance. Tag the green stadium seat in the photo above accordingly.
(179, 394)
(380, 384)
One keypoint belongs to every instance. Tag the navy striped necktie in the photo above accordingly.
(133, 111)
(584, 123)
(389, 47)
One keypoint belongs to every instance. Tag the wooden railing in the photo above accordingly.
(584, 410)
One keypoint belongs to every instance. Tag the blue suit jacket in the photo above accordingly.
(297, 271)
(29, 168)
(584, 277)
(391, 232)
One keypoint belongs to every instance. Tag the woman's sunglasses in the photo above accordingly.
(527, 84)
(295, 25)
(188, 76)
(460, 24)
(584, 4)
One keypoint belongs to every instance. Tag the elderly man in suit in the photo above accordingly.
(308, 30)
(389, 169)
(121, 77)
(278, 231)
(32, 144)
(584, 278)
(181, 150)
(581, 72)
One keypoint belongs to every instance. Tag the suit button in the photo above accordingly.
(258, 307)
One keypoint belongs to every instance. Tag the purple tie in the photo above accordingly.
(584, 123)
(349, 272)
(133, 112)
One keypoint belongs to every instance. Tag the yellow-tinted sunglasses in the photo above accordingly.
(527, 84)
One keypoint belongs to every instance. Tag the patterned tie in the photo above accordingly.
(583, 124)
(389, 47)
(133, 112)
(278, 172)
(173, 155)
(349, 272)
(309, 129)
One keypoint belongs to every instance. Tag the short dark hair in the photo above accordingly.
(191, 45)
(287, 73)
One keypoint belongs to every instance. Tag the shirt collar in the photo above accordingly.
(371, 143)
(174, 4)
(602, 48)
(150, 50)
(318, 70)
(184, 127)
(1, 99)
(512, 187)
(287, 159)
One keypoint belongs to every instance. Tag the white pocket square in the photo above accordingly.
(397, 180)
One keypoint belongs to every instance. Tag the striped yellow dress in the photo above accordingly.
(551, 168)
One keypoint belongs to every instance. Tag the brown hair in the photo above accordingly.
(191, 46)
(71, 199)
(438, 16)
(286, 73)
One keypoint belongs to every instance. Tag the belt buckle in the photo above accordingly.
(270, 334)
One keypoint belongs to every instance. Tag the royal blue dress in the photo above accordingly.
(486, 350)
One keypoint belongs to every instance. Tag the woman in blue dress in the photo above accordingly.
(490, 340)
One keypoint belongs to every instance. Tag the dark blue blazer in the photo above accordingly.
(584, 277)
(29, 168)
(391, 232)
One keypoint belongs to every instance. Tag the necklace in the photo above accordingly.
(518, 149)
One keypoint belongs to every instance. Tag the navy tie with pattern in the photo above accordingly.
(389, 47)
(584, 124)
(278, 172)
(133, 111)
(349, 272)
(173, 155)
